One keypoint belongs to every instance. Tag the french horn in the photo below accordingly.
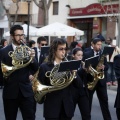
(20, 58)
(58, 81)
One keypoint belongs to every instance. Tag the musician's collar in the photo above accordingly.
(55, 63)
(38, 50)
(14, 46)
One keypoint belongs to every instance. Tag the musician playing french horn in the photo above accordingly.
(60, 98)
(16, 61)
(100, 87)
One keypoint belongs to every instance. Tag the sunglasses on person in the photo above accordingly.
(44, 44)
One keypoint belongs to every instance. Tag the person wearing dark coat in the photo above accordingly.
(41, 41)
(80, 94)
(4, 43)
(17, 91)
(58, 104)
(88, 48)
(117, 72)
(100, 88)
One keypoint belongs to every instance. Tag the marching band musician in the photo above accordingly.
(17, 92)
(117, 72)
(61, 99)
(100, 88)
(80, 94)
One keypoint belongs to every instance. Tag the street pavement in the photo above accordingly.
(96, 111)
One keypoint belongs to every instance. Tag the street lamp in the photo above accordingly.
(28, 1)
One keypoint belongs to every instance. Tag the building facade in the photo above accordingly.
(87, 15)
(93, 17)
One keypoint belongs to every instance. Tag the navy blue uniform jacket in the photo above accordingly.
(56, 99)
(19, 79)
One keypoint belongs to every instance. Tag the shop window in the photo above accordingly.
(55, 8)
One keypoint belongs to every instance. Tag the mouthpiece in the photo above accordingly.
(65, 58)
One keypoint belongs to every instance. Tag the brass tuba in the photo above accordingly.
(97, 75)
(58, 81)
(20, 58)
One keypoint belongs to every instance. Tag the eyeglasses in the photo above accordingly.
(20, 35)
(44, 44)
(61, 49)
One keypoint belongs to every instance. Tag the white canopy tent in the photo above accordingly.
(32, 30)
(58, 29)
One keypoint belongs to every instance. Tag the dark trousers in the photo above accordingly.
(1, 81)
(101, 92)
(83, 104)
(62, 115)
(26, 105)
(118, 113)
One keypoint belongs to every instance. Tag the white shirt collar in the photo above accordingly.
(55, 63)
(95, 53)
(38, 50)
(91, 47)
(14, 46)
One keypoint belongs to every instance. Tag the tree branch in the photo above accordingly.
(7, 13)
(16, 13)
(38, 4)
(49, 3)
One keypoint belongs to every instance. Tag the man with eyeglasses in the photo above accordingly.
(17, 91)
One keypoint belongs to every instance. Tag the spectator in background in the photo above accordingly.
(73, 44)
(99, 35)
(110, 59)
(4, 43)
(32, 44)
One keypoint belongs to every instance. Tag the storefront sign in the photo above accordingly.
(95, 9)
(95, 26)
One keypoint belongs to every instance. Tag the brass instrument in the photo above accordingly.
(58, 81)
(20, 58)
(96, 73)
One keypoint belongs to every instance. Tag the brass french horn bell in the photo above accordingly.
(20, 58)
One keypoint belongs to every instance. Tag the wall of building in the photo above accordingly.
(34, 13)
(111, 26)
(62, 12)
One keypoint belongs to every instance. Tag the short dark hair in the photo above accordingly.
(53, 48)
(14, 28)
(41, 39)
(75, 50)
(31, 42)
(73, 44)
(2, 41)
(95, 40)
